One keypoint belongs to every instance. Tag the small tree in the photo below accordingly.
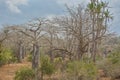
(47, 68)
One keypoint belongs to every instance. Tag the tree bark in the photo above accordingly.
(36, 56)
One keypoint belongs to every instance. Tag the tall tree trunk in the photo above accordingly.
(80, 51)
(51, 55)
(36, 56)
(20, 52)
(35, 60)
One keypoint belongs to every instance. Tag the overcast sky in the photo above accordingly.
(21, 11)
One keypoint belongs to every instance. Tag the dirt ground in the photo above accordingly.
(7, 72)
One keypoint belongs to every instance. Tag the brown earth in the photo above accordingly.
(7, 72)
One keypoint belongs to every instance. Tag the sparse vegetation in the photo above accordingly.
(79, 70)
(75, 46)
(111, 66)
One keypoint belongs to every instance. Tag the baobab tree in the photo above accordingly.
(77, 32)
(34, 31)
(51, 37)
(16, 42)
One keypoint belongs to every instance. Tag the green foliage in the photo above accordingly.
(91, 6)
(100, 8)
(82, 70)
(46, 66)
(25, 73)
(114, 57)
(6, 56)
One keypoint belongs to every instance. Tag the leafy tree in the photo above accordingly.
(100, 15)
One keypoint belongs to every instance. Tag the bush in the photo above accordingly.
(6, 56)
(114, 57)
(46, 66)
(79, 70)
(111, 66)
(25, 73)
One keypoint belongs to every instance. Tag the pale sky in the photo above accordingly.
(21, 11)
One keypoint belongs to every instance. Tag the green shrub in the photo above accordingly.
(114, 57)
(6, 56)
(46, 66)
(79, 70)
(25, 73)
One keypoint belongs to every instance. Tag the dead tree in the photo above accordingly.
(33, 30)
(51, 38)
(17, 41)
(76, 28)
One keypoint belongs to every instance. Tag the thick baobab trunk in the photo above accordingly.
(20, 52)
(23, 52)
(51, 48)
(51, 56)
(36, 56)
(80, 50)
(35, 60)
(94, 51)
